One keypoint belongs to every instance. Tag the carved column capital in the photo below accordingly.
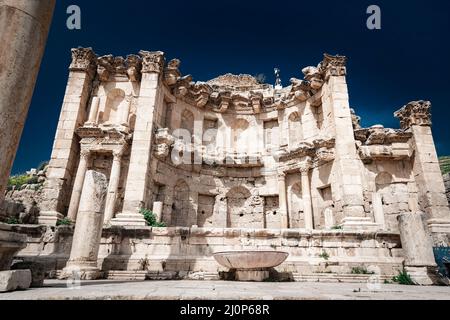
(415, 113)
(117, 154)
(152, 61)
(333, 66)
(83, 59)
(281, 175)
(305, 166)
(85, 154)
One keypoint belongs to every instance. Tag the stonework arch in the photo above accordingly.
(115, 101)
(237, 206)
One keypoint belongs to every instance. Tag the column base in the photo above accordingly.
(439, 225)
(81, 271)
(49, 218)
(360, 224)
(252, 275)
(128, 219)
(424, 276)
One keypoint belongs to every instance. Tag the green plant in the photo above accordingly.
(403, 278)
(336, 227)
(12, 220)
(64, 222)
(324, 255)
(18, 180)
(445, 164)
(361, 270)
(150, 217)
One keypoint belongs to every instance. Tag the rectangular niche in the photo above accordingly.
(272, 215)
(271, 134)
(205, 210)
(209, 135)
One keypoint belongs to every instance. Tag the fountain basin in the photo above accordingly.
(251, 265)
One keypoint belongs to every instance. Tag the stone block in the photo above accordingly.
(15, 280)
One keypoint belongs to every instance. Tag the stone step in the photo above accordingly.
(334, 277)
(126, 275)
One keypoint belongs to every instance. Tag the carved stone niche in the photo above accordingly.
(415, 113)
(172, 72)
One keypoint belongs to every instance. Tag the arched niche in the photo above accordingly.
(114, 107)
(296, 213)
(295, 129)
(237, 208)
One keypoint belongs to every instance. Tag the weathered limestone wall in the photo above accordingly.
(24, 26)
(189, 250)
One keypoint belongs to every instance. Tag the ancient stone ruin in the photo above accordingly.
(235, 164)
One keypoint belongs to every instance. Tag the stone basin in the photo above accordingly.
(251, 265)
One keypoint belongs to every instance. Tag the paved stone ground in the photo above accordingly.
(191, 290)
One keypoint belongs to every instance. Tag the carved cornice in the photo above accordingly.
(378, 135)
(134, 66)
(105, 67)
(172, 72)
(415, 113)
(152, 61)
(83, 59)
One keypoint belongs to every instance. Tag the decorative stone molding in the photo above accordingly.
(83, 59)
(171, 72)
(224, 99)
(152, 61)
(415, 113)
(201, 93)
(305, 165)
(134, 66)
(105, 67)
(164, 141)
(182, 86)
(256, 99)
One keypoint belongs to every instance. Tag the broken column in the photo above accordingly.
(82, 263)
(24, 26)
(416, 118)
(417, 248)
(10, 243)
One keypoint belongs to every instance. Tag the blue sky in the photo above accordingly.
(408, 59)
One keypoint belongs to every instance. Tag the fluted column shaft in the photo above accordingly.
(306, 196)
(282, 200)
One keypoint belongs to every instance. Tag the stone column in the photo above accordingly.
(282, 200)
(157, 210)
(93, 112)
(416, 118)
(347, 166)
(88, 229)
(417, 248)
(139, 180)
(24, 26)
(78, 185)
(66, 148)
(113, 187)
(125, 114)
(306, 197)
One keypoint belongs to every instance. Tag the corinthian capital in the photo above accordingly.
(152, 61)
(305, 165)
(333, 66)
(83, 59)
(415, 113)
